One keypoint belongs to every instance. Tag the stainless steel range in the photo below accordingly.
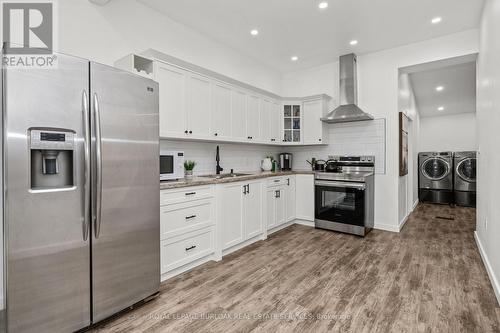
(344, 195)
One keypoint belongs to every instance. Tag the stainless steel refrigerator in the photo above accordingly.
(80, 194)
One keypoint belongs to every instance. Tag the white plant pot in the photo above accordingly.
(188, 174)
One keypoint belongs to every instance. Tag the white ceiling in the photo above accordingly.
(299, 27)
(459, 89)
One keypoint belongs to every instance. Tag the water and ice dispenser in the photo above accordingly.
(52, 158)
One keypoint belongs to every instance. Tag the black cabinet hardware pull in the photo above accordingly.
(190, 217)
(191, 247)
(215, 134)
(276, 180)
(288, 181)
(248, 188)
(190, 193)
(186, 131)
(190, 132)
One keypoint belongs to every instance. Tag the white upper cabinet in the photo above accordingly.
(314, 130)
(253, 117)
(199, 106)
(239, 114)
(173, 110)
(292, 122)
(265, 120)
(221, 110)
(276, 123)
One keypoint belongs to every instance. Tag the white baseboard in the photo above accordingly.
(386, 227)
(187, 267)
(307, 223)
(278, 228)
(415, 204)
(487, 265)
(241, 245)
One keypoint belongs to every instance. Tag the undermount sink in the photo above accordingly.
(227, 175)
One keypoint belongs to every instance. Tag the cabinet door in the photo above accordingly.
(304, 197)
(239, 115)
(275, 122)
(199, 106)
(290, 199)
(265, 120)
(253, 210)
(253, 117)
(221, 110)
(271, 208)
(172, 85)
(230, 209)
(281, 206)
(313, 126)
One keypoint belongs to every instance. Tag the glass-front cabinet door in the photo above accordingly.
(292, 123)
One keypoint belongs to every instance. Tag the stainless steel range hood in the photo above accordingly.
(348, 110)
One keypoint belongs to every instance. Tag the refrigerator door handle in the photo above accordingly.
(98, 152)
(86, 185)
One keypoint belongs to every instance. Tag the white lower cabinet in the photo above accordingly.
(280, 201)
(304, 197)
(239, 215)
(187, 226)
(185, 248)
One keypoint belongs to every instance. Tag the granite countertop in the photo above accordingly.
(197, 180)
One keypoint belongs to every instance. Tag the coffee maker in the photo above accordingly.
(285, 162)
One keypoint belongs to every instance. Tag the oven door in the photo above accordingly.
(340, 202)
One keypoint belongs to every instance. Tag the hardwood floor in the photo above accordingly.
(428, 278)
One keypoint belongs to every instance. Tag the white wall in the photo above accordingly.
(488, 121)
(107, 33)
(408, 184)
(378, 94)
(455, 132)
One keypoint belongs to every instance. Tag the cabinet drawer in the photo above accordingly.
(186, 248)
(185, 194)
(277, 181)
(185, 217)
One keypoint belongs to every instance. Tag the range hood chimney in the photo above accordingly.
(348, 110)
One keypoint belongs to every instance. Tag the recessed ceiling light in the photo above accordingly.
(294, 58)
(436, 20)
(439, 88)
(254, 32)
(441, 108)
(323, 5)
(353, 42)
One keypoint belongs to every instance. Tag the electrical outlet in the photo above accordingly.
(330, 157)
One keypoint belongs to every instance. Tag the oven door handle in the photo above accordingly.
(358, 186)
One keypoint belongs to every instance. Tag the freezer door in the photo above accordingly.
(48, 258)
(126, 207)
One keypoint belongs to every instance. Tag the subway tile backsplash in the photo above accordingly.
(359, 138)
(240, 157)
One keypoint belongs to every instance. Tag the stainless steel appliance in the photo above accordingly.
(435, 177)
(171, 165)
(348, 110)
(344, 197)
(286, 160)
(465, 178)
(80, 184)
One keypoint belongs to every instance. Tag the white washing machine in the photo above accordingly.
(465, 178)
(435, 177)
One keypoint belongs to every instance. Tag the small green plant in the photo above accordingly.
(189, 165)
